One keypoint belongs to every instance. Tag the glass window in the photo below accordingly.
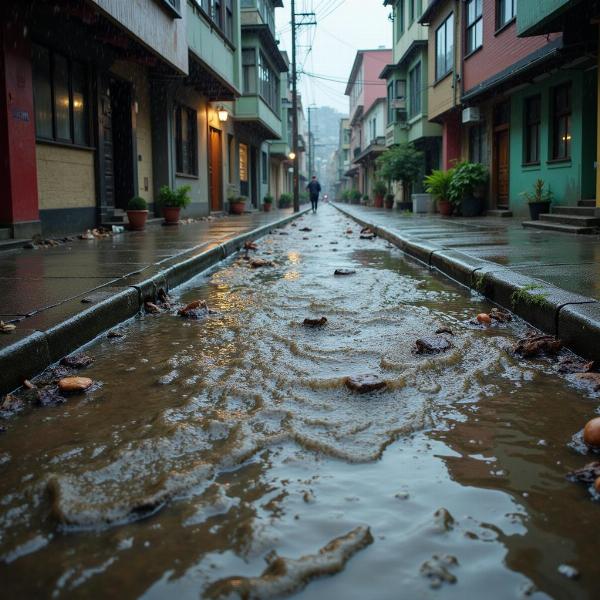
(506, 11)
(62, 101)
(217, 13)
(269, 83)
(444, 47)
(229, 19)
(531, 151)
(414, 83)
(561, 122)
(474, 25)
(265, 167)
(400, 18)
(42, 92)
(79, 85)
(476, 143)
(186, 141)
(249, 71)
(390, 100)
(244, 182)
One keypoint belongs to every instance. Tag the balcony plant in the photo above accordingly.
(438, 185)
(402, 163)
(285, 200)
(355, 196)
(237, 205)
(268, 203)
(467, 188)
(539, 201)
(137, 213)
(389, 201)
(172, 201)
(379, 190)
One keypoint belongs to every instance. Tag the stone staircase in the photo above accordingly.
(579, 219)
(500, 211)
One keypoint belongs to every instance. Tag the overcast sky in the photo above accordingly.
(343, 27)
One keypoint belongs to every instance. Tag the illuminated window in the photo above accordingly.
(561, 122)
(186, 141)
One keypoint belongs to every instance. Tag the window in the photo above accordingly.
(220, 12)
(444, 48)
(400, 18)
(474, 25)
(269, 83)
(476, 143)
(506, 11)
(373, 129)
(531, 150)
(265, 167)
(561, 122)
(229, 19)
(186, 141)
(60, 97)
(244, 181)
(249, 71)
(411, 12)
(231, 158)
(390, 101)
(414, 84)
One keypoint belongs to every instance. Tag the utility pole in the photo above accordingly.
(295, 152)
(310, 148)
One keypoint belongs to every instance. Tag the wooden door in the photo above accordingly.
(501, 167)
(216, 170)
(106, 149)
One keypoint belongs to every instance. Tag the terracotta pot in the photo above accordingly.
(268, 206)
(137, 219)
(378, 202)
(389, 204)
(171, 215)
(444, 207)
(237, 208)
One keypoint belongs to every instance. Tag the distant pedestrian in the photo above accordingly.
(314, 189)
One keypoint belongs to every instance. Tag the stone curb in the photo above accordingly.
(60, 330)
(572, 317)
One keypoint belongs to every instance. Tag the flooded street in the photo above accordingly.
(207, 445)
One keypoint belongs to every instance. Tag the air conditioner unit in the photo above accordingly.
(399, 103)
(471, 115)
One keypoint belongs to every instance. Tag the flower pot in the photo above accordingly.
(389, 204)
(538, 208)
(237, 208)
(444, 207)
(404, 206)
(421, 203)
(137, 219)
(267, 206)
(471, 206)
(171, 215)
(378, 202)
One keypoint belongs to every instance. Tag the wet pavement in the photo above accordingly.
(34, 280)
(207, 449)
(568, 261)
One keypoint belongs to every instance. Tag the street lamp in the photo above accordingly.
(292, 156)
(223, 114)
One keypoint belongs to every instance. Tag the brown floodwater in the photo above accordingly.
(207, 446)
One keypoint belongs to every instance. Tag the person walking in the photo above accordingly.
(314, 189)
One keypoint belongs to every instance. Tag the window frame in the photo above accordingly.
(192, 122)
(444, 25)
(531, 123)
(476, 136)
(415, 91)
(471, 27)
(86, 142)
(566, 116)
(500, 23)
(224, 24)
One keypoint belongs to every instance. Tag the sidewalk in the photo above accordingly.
(556, 276)
(62, 297)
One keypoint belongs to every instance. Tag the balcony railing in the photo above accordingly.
(265, 10)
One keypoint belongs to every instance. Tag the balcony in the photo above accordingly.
(356, 152)
(254, 113)
(260, 12)
(534, 18)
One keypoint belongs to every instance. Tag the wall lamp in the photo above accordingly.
(223, 114)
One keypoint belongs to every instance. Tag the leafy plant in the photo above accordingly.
(233, 192)
(346, 195)
(401, 163)
(137, 203)
(438, 184)
(380, 188)
(268, 199)
(390, 197)
(355, 195)
(241, 199)
(178, 198)
(539, 194)
(466, 179)
(285, 200)
(524, 296)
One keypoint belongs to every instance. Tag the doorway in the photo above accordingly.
(215, 170)
(501, 151)
(117, 153)
(253, 177)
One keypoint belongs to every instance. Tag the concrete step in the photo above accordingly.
(499, 212)
(587, 203)
(579, 221)
(581, 211)
(549, 226)
(5, 233)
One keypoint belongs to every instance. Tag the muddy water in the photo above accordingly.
(205, 446)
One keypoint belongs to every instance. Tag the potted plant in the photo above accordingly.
(172, 201)
(402, 163)
(538, 201)
(438, 185)
(237, 205)
(467, 188)
(285, 200)
(268, 203)
(346, 196)
(355, 196)
(137, 213)
(389, 201)
(380, 190)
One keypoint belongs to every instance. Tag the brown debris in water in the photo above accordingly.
(592, 378)
(315, 322)
(344, 272)
(7, 327)
(570, 364)
(305, 229)
(163, 298)
(363, 384)
(11, 404)
(284, 576)
(437, 570)
(258, 263)
(432, 345)
(77, 361)
(499, 315)
(151, 308)
(534, 344)
(586, 475)
(250, 246)
(71, 385)
(191, 307)
(115, 334)
(444, 330)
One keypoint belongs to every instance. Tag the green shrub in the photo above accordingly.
(539, 194)
(178, 198)
(467, 179)
(137, 203)
(285, 200)
(268, 199)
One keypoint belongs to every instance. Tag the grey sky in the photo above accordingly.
(343, 27)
